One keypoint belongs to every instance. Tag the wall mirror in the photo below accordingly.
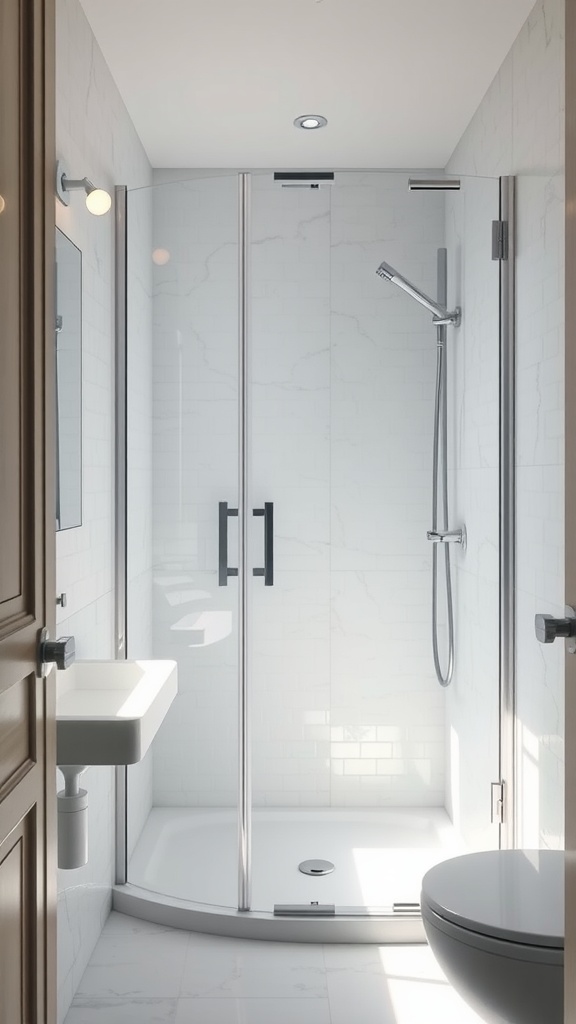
(68, 354)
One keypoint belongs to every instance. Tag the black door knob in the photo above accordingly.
(61, 651)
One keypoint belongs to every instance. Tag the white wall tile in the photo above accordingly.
(342, 376)
(518, 129)
(94, 137)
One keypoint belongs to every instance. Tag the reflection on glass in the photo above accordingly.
(68, 346)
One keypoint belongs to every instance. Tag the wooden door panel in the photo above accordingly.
(17, 731)
(18, 930)
(570, 508)
(11, 974)
(27, 703)
(10, 252)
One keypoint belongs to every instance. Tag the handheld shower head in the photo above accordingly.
(440, 313)
(386, 271)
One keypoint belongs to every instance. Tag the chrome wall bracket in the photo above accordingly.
(453, 319)
(448, 537)
(497, 803)
(499, 239)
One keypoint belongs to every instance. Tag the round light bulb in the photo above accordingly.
(160, 257)
(310, 122)
(2, 204)
(98, 202)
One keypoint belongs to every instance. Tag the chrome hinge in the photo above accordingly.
(497, 816)
(499, 239)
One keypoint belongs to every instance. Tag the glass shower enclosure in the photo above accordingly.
(280, 403)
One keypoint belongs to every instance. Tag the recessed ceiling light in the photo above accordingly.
(309, 121)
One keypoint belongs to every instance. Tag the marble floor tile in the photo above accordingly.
(281, 981)
(405, 987)
(357, 996)
(360, 958)
(253, 1011)
(416, 985)
(226, 968)
(134, 959)
(147, 974)
(253, 953)
(121, 1011)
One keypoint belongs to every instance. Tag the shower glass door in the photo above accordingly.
(358, 757)
(182, 536)
(361, 759)
(290, 478)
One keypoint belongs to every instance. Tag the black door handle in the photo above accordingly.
(268, 571)
(223, 569)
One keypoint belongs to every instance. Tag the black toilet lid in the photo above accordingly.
(516, 895)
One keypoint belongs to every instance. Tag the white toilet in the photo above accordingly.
(495, 922)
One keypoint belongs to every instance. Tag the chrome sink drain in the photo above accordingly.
(316, 867)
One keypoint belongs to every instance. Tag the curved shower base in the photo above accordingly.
(183, 872)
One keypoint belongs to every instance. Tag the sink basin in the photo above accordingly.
(108, 712)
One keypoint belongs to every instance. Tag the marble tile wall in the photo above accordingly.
(346, 710)
(94, 137)
(518, 129)
(387, 711)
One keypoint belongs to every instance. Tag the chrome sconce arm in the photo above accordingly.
(98, 201)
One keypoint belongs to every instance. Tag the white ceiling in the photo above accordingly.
(218, 83)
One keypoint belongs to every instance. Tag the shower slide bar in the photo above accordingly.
(224, 570)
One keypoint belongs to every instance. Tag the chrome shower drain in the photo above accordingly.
(316, 867)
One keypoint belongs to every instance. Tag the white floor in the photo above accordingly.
(142, 973)
(379, 855)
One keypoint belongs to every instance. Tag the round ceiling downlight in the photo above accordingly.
(310, 121)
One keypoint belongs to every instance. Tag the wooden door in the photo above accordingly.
(27, 592)
(570, 699)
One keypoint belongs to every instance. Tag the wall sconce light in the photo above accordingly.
(98, 200)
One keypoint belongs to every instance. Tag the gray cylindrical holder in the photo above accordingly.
(72, 829)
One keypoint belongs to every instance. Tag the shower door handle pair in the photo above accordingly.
(224, 570)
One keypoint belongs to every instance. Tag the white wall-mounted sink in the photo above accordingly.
(108, 712)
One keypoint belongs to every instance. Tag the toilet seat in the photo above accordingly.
(509, 902)
(543, 955)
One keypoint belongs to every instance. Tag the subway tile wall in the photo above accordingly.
(94, 137)
(346, 708)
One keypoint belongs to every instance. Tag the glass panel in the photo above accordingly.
(360, 757)
(472, 701)
(290, 400)
(68, 383)
(540, 582)
(183, 462)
